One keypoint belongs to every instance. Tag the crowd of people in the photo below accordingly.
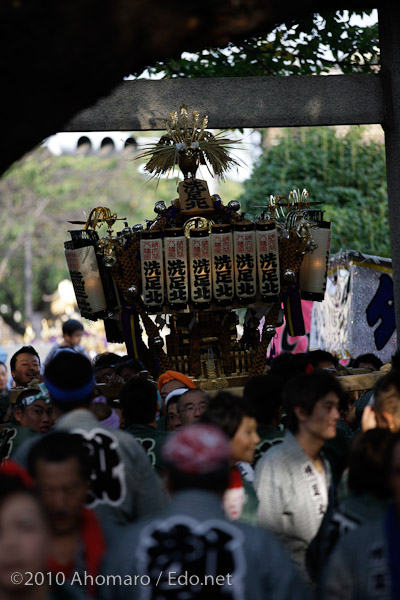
(116, 485)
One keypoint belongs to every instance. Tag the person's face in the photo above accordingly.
(63, 491)
(395, 474)
(27, 368)
(24, 540)
(384, 418)
(321, 423)
(191, 406)
(245, 440)
(326, 364)
(167, 388)
(103, 375)
(38, 416)
(128, 373)
(367, 365)
(173, 417)
(170, 387)
(381, 421)
(74, 339)
(3, 378)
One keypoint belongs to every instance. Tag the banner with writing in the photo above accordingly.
(245, 262)
(176, 268)
(268, 260)
(200, 266)
(152, 265)
(357, 314)
(222, 263)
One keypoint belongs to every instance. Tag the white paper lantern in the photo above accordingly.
(313, 271)
(85, 277)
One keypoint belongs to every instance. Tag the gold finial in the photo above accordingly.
(187, 144)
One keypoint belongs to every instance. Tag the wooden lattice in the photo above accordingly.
(127, 272)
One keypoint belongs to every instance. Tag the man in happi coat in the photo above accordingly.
(293, 480)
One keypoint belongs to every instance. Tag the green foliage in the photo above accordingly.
(314, 45)
(347, 173)
(41, 193)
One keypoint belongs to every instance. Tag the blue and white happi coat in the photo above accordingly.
(293, 497)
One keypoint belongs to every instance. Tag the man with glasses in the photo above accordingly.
(191, 405)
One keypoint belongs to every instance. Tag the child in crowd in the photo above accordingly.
(72, 332)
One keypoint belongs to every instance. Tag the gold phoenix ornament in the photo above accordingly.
(187, 144)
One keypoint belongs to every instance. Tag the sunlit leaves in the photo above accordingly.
(316, 44)
(346, 172)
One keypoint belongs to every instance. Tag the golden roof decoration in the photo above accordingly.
(187, 144)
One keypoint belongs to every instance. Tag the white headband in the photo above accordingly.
(177, 392)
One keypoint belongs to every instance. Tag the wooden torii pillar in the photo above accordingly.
(389, 34)
(258, 102)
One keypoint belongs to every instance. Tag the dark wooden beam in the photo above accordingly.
(389, 17)
(253, 102)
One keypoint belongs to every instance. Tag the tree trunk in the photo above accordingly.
(28, 276)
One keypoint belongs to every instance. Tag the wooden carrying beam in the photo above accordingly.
(366, 381)
(236, 102)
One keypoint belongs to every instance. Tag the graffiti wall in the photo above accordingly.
(357, 314)
(283, 342)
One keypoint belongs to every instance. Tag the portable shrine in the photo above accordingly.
(198, 262)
